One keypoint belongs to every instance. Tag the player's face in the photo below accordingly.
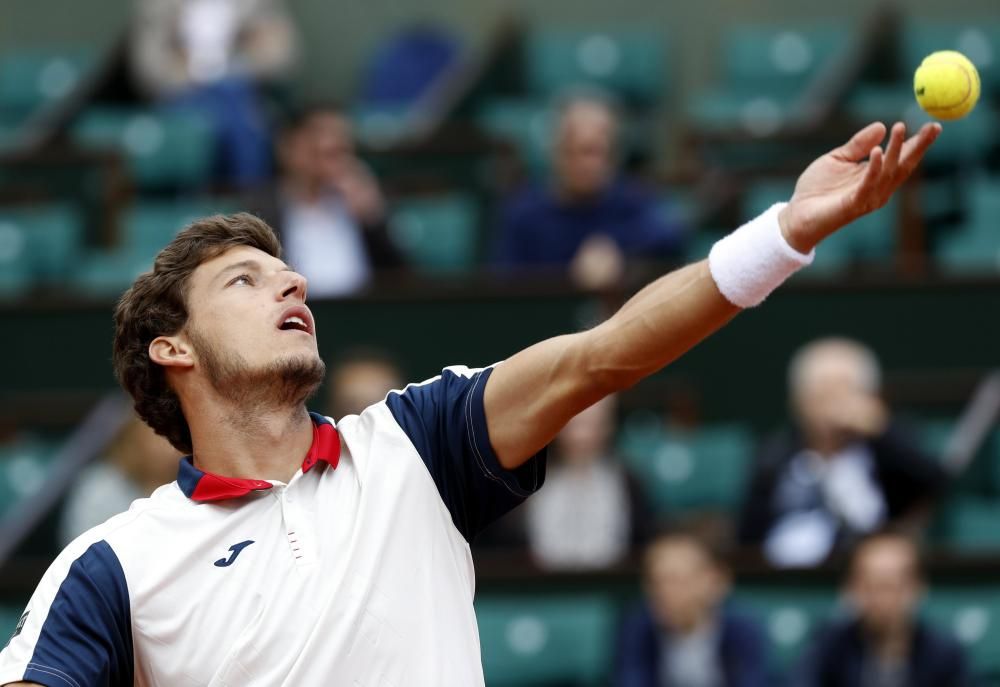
(884, 584)
(247, 313)
(684, 584)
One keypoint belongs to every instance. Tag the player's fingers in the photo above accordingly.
(914, 149)
(865, 197)
(896, 137)
(857, 148)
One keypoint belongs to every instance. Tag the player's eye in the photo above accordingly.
(241, 279)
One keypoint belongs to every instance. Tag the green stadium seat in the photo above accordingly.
(147, 227)
(978, 40)
(24, 465)
(438, 234)
(627, 62)
(535, 641)
(691, 470)
(163, 149)
(527, 124)
(780, 59)
(39, 241)
(975, 244)
(972, 614)
(790, 617)
(970, 524)
(30, 79)
(9, 615)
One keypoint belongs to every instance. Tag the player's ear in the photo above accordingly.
(171, 351)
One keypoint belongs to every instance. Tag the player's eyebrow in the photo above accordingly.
(252, 265)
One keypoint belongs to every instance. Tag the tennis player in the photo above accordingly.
(293, 551)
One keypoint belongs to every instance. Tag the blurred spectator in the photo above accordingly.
(884, 643)
(843, 471)
(361, 378)
(137, 462)
(327, 207)
(684, 634)
(590, 219)
(590, 512)
(211, 56)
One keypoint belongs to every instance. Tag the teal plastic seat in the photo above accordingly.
(780, 58)
(630, 62)
(974, 245)
(972, 615)
(969, 523)
(163, 149)
(790, 617)
(38, 243)
(24, 466)
(703, 469)
(978, 40)
(147, 227)
(526, 124)
(546, 640)
(438, 234)
(31, 79)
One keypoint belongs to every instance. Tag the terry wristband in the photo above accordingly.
(750, 263)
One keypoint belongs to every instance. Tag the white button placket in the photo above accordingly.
(297, 529)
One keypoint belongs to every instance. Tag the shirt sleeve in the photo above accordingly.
(76, 630)
(445, 420)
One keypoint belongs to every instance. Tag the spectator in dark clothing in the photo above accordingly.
(883, 643)
(327, 207)
(685, 635)
(845, 470)
(590, 219)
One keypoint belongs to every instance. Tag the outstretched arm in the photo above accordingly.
(532, 395)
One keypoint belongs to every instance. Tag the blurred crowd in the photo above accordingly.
(844, 481)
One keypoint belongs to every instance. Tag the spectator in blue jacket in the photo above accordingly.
(883, 642)
(684, 634)
(589, 219)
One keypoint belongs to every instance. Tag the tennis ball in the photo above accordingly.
(946, 85)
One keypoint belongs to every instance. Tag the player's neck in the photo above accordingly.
(254, 443)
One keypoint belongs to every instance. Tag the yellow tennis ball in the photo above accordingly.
(946, 85)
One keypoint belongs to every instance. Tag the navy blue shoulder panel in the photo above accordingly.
(446, 422)
(86, 640)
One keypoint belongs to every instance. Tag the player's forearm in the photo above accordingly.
(655, 327)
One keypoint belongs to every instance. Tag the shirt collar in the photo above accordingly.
(198, 485)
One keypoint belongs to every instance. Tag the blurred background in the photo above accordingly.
(810, 497)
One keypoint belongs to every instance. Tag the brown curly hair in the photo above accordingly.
(156, 305)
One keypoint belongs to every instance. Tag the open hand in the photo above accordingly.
(842, 185)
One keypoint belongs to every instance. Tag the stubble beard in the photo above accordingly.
(286, 383)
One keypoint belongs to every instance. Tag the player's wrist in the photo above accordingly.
(750, 263)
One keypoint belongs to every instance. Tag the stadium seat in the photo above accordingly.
(972, 614)
(530, 642)
(438, 234)
(163, 149)
(691, 470)
(38, 242)
(969, 523)
(30, 79)
(147, 227)
(765, 69)
(975, 244)
(627, 62)
(23, 467)
(978, 40)
(526, 124)
(790, 617)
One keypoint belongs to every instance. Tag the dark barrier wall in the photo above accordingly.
(737, 374)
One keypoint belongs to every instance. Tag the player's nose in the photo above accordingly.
(293, 285)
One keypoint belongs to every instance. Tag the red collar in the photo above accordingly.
(198, 485)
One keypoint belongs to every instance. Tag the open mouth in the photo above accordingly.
(296, 319)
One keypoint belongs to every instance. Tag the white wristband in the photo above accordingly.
(754, 260)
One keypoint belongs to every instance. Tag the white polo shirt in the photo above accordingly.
(356, 573)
